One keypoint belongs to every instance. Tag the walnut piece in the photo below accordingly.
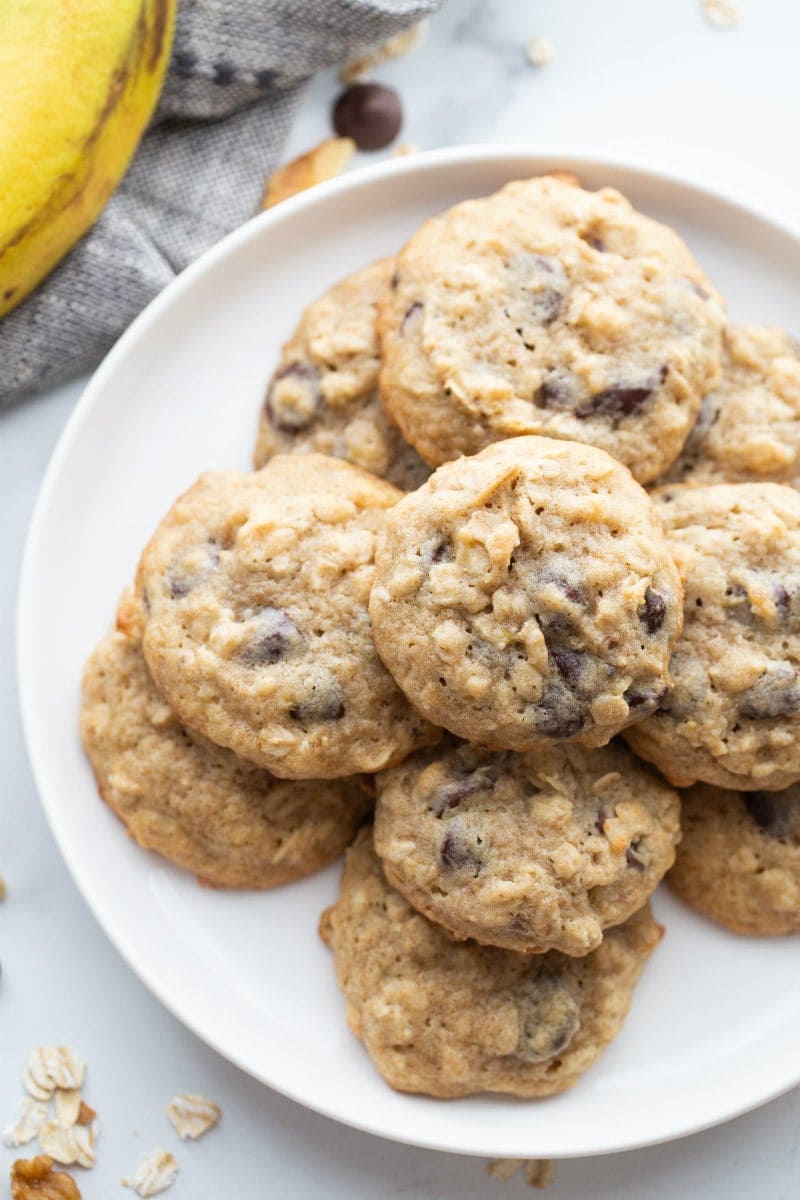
(30, 1118)
(192, 1115)
(35, 1179)
(155, 1173)
(51, 1067)
(323, 162)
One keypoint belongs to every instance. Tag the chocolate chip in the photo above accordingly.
(411, 311)
(549, 1018)
(570, 663)
(180, 586)
(775, 694)
(700, 291)
(285, 417)
(772, 812)
(458, 849)
(320, 705)
(593, 239)
(653, 611)
(537, 291)
(451, 794)
(395, 281)
(633, 859)
(644, 700)
(621, 399)
(602, 817)
(442, 552)
(560, 391)
(370, 114)
(559, 713)
(272, 639)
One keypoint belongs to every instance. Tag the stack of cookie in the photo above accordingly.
(465, 650)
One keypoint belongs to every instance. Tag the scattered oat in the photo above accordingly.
(51, 1067)
(504, 1168)
(722, 13)
(323, 162)
(35, 1179)
(155, 1173)
(539, 1172)
(30, 1118)
(67, 1105)
(540, 52)
(403, 149)
(362, 67)
(192, 1115)
(68, 1145)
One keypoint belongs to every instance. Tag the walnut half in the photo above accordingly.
(35, 1179)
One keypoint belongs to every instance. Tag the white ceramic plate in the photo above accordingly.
(715, 1026)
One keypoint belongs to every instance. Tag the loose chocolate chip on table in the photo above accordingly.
(284, 417)
(370, 114)
(653, 611)
(272, 639)
(774, 814)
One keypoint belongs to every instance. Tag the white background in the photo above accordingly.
(648, 79)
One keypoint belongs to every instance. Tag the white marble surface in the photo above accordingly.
(649, 80)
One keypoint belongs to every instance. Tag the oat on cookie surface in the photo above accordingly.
(526, 594)
(547, 309)
(748, 428)
(733, 717)
(256, 628)
(740, 859)
(451, 1018)
(531, 852)
(323, 395)
(229, 822)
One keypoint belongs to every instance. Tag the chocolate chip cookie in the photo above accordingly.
(450, 1018)
(547, 309)
(324, 393)
(739, 862)
(733, 717)
(532, 852)
(526, 594)
(229, 822)
(256, 631)
(749, 426)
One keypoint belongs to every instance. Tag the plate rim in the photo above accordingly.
(555, 156)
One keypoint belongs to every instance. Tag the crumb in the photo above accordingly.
(403, 149)
(192, 1115)
(359, 69)
(540, 52)
(539, 1172)
(155, 1173)
(722, 13)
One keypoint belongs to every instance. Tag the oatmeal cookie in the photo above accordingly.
(229, 822)
(323, 395)
(548, 309)
(527, 594)
(257, 633)
(733, 717)
(532, 852)
(451, 1018)
(739, 862)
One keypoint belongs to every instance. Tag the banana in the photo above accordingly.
(79, 80)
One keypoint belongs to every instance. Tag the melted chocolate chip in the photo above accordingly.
(570, 664)
(549, 1018)
(621, 399)
(773, 813)
(289, 419)
(443, 552)
(653, 611)
(457, 850)
(370, 114)
(775, 694)
(451, 794)
(558, 391)
(538, 290)
(272, 639)
(633, 859)
(320, 706)
(644, 700)
(559, 713)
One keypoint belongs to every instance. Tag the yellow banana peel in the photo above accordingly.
(79, 80)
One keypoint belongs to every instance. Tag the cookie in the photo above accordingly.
(739, 862)
(323, 395)
(229, 822)
(547, 309)
(526, 594)
(532, 852)
(256, 626)
(748, 429)
(733, 717)
(451, 1018)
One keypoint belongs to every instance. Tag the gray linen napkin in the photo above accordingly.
(237, 73)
